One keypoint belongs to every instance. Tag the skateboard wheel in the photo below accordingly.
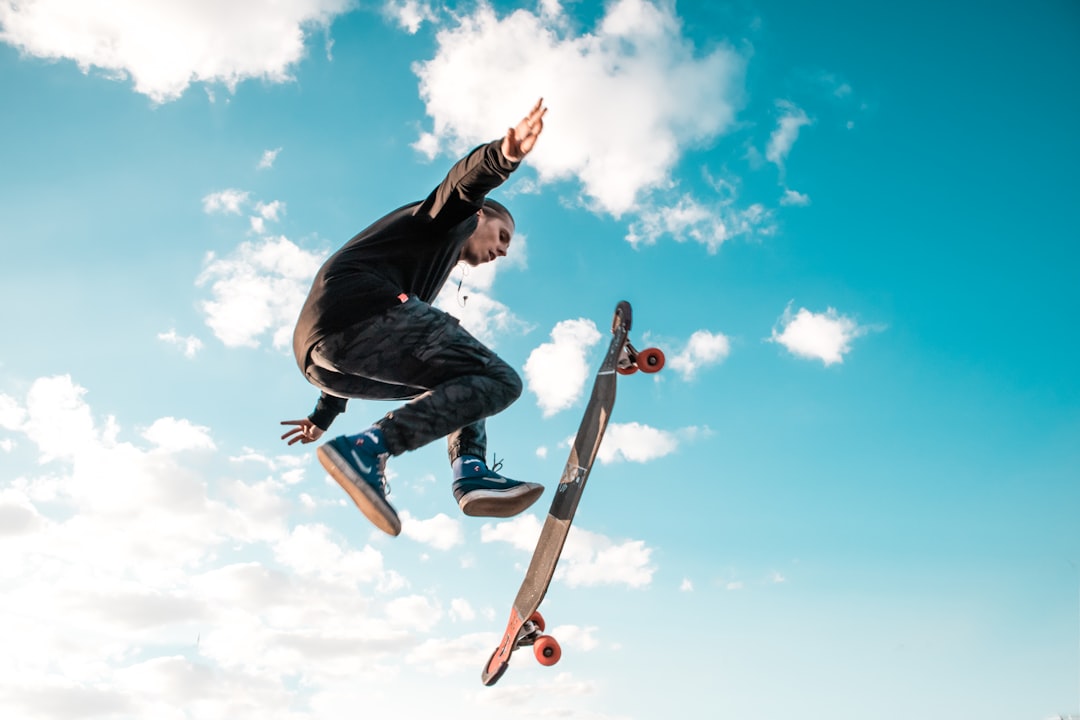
(537, 618)
(547, 650)
(628, 370)
(650, 360)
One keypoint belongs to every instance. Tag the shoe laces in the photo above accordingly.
(496, 464)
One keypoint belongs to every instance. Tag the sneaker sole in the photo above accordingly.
(375, 509)
(500, 503)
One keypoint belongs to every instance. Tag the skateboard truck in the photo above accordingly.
(649, 360)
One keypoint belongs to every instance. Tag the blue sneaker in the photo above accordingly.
(358, 464)
(483, 492)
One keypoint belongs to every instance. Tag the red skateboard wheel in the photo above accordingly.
(650, 360)
(547, 650)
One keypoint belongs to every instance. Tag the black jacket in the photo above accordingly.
(411, 251)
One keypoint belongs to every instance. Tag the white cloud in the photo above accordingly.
(141, 583)
(625, 99)
(556, 372)
(166, 45)
(409, 14)
(57, 419)
(792, 118)
(267, 160)
(823, 336)
(447, 656)
(312, 552)
(116, 598)
(12, 415)
(234, 202)
(593, 560)
(257, 290)
(692, 220)
(575, 637)
(414, 612)
(270, 211)
(588, 559)
(634, 442)
(229, 201)
(521, 532)
(686, 585)
(190, 345)
(703, 349)
(461, 610)
(440, 532)
(172, 435)
(793, 197)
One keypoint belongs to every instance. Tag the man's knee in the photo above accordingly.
(509, 381)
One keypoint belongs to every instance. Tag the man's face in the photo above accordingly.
(490, 240)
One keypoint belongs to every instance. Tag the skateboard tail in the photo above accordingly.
(500, 659)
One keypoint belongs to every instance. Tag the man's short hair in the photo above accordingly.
(494, 207)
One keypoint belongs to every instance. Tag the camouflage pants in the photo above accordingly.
(418, 353)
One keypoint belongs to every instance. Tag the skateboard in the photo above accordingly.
(526, 626)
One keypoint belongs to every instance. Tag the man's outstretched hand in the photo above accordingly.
(305, 431)
(521, 138)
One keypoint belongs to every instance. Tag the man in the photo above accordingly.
(367, 330)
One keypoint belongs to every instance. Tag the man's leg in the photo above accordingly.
(416, 351)
(469, 440)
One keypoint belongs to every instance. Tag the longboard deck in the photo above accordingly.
(564, 506)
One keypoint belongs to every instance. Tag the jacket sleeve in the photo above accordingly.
(328, 408)
(463, 190)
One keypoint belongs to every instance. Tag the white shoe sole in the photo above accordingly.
(500, 503)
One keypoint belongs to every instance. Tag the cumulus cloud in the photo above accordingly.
(703, 349)
(823, 336)
(257, 290)
(177, 435)
(135, 583)
(556, 371)
(164, 46)
(626, 99)
(634, 442)
(440, 532)
(588, 559)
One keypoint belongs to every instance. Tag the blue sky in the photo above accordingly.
(852, 492)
